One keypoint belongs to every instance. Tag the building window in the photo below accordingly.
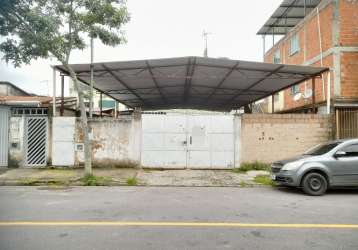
(29, 111)
(277, 57)
(295, 89)
(294, 44)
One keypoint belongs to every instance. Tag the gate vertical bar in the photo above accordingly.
(337, 125)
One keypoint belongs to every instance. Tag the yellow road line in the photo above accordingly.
(174, 224)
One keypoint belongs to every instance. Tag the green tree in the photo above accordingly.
(33, 29)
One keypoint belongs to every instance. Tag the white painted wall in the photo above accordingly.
(237, 140)
(63, 138)
(4, 136)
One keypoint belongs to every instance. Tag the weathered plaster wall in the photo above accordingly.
(116, 142)
(16, 142)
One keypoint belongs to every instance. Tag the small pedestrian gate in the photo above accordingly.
(4, 136)
(187, 141)
(347, 123)
(36, 141)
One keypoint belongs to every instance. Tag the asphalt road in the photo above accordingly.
(152, 218)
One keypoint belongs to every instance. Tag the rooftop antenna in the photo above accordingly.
(205, 35)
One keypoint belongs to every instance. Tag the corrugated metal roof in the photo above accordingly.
(287, 16)
(191, 82)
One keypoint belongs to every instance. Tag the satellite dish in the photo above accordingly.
(297, 96)
(308, 93)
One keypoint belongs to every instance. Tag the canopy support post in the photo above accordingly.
(329, 92)
(91, 82)
(100, 104)
(263, 47)
(54, 92)
(273, 104)
(62, 95)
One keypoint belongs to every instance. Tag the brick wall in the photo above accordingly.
(271, 137)
(348, 23)
(349, 74)
(349, 38)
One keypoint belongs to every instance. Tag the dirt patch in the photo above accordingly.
(109, 163)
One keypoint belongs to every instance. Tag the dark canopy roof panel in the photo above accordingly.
(191, 82)
(287, 16)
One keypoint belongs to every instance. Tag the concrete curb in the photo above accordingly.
(198, 178)
(119, 184)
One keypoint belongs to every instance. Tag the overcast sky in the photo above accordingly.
(167, 28)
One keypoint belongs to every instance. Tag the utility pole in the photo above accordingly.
(205, 35)
(91, 82)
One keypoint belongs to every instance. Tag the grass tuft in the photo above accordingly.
(264, 180)
(92, 180)
(132, 181)
(243, 184)
(248, 166)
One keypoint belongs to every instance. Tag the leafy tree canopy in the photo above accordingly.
(34, 29)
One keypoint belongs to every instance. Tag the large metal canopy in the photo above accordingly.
(191, 82)
(287, 16)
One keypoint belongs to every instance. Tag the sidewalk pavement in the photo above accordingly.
(125, 176)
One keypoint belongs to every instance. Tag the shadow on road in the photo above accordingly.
(333, 191)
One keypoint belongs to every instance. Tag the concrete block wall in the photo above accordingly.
(268, 138)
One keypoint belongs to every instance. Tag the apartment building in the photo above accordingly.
(317, 33)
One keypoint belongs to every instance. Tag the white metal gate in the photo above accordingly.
(4, 136)
(36, 141)
(187, 141)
